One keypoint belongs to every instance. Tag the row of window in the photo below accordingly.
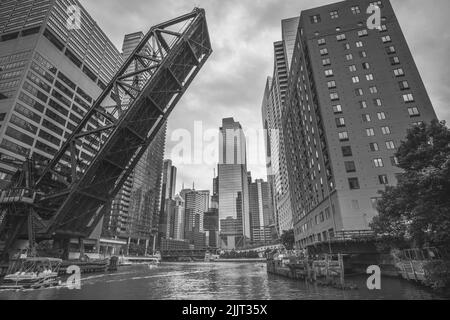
(334, 14)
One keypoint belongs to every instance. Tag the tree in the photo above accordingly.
(418, 208)
(288, 239)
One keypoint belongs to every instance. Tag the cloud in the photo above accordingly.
(242, 33)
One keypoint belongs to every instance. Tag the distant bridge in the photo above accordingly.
(183, 253)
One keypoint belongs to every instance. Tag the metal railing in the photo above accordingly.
(352, 235)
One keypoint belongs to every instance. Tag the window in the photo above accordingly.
(347, 151)
(359, 44)
(363, 104)
(394, 60)
(340, 37)
(343, 136)
(374, 147)
(331, 84)
(353, 183)
(373, 90)
(386, 39)
(370, 132)
(359, 92)
(386, 130)
(22, 137)
(352, 68)
(326, 62)
(404, 85)
(350, 166)
(321, 42)
(383, 179)
(340, 122)
(390, 145)
(394, 161)
(334, 96)
(334, 14)
(408, 98)
(390, 50)
(413, 112)
(323, 51)
(349, 57)
(378, 162)
(337, 109)
(381, 116)
(356, 10)
(377, 102)
(369, 77)
(355, 79)
(366, 66)
(315, 19)
(329, 73)
(362, 33)
(366, 118)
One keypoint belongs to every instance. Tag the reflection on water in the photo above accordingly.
(214, 281)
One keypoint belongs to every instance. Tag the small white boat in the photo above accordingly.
(129, 261)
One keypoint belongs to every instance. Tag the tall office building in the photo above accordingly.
(169, 178)
(272, 108)
(196, 204)
(136, 209)
(49, 77)
(178, 218)
(211, 227)
(233, 184)
(353, 93)
(261, 211)
(51, 71)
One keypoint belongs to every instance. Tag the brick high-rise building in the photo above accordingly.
(353, 93)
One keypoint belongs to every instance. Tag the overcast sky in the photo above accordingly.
(231, 84)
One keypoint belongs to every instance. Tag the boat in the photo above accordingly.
(129, 261)
(32, 273)
(209, 257)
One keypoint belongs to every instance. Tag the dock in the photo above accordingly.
(327, 270)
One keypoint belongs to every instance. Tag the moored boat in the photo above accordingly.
(32, 273)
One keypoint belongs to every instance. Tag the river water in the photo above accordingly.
(215, 281)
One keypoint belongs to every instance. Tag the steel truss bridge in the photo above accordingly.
(67, 197)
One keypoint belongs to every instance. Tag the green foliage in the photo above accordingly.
(288, 239)
(437, 274)
(418, 208)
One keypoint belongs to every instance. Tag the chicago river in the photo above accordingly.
(216, 281)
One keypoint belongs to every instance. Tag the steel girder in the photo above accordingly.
(74, 189)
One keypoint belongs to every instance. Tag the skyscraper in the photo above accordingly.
(353, 93)
(233, 184)
(261, 211)
(196, 204)
(178, 218)
(169, 176)
(272, 108)
(136, 208)
(49, 77)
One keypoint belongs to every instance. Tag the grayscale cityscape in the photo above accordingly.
(224, 150)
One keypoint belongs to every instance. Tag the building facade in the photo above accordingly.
(135, 211)
(273, 105)
(49, 77)
(169, 178)
(233, 183)
(353, 93)
(261, 211)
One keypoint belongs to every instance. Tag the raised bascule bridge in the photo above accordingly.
(67, 197)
